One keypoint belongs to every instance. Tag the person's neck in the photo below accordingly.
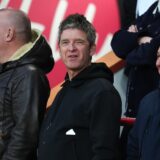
(73, 73)
(6, 54)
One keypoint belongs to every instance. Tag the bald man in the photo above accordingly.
(25, 58)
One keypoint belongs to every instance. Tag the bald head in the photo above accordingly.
(16, 21)
(15, 31)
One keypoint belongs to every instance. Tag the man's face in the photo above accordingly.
(158, 60)
(75, 50)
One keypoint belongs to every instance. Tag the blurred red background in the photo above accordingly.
(47, 14)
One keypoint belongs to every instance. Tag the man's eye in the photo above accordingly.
(64, 42)
(80, 42)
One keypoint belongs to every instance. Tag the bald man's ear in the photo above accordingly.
(10, 33)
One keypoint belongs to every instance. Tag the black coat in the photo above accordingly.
(140, 59)
(90, 108)
(143, 141)
(24, 90)
(127, 11)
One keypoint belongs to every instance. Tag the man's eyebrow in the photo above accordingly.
(64, 39)
(79, 39)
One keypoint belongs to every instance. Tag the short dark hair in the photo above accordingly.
(78, 21)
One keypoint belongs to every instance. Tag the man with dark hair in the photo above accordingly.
(25, 58)
(84, 120)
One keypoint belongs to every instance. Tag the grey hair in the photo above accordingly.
(78, 21)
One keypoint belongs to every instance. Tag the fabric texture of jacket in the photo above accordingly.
(24, 91)
(143, 141)
(84, 120)
(140, 59)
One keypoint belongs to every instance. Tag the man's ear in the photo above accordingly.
(92, 50)
(9, 34)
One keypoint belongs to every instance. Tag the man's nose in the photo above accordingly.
(71, 46)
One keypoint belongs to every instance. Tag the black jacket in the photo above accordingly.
(140, 59)
(24, 90)
(84, 119)
(143, 141)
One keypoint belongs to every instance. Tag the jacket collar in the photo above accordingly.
(26, 47)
